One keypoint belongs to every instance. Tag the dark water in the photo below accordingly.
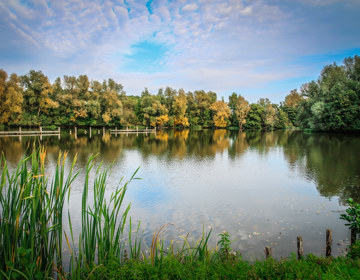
(264, 188)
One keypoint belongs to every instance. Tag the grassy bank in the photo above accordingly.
(309, 268)
(32, 236)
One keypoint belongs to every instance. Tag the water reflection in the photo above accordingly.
(265, 188)
(330, 160)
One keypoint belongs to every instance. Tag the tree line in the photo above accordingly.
(330, 103)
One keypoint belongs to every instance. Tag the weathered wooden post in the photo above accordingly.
(90, 132)
(20, 129)
(353, 237)
(103, 130)
(40, 129)
(59, 129)
(300, 250)
(328, 242)
(268, 253)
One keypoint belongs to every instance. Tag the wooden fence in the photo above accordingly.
(300, 250)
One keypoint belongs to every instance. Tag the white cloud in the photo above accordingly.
(224, 44)
(190, 7)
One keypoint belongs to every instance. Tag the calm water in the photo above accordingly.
(264, 188)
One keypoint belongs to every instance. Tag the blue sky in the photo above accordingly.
(258, 48)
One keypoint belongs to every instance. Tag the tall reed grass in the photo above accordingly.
(31, 215)
(32, 235)
(31, 220)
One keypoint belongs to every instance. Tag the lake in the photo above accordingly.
(264, 188)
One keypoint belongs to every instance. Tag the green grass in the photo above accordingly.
(32, 234)
(310, 267)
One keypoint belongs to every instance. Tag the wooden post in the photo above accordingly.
(59, 129)
(353, 237)
(328, 242)
(20, 129)
(90, 132)
(127, 128)
(300, 250)
(40, 130)
(268, 253)
(103, 130)
(98, 131)
(75, 132)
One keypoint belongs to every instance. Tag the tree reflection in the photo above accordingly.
(332, 161)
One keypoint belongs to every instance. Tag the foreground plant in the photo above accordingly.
(31, 220)
(31, 216)
(352, 216)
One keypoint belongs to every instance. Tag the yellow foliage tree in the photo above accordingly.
(161, 120)
(221, 113)
(293, 99)
(11, 98)
(179, 107)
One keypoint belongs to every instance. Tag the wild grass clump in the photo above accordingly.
(31, 216)
(31, 220)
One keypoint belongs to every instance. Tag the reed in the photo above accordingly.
(31, 215)
(31, 220)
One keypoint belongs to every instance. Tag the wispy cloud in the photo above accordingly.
(223, 45)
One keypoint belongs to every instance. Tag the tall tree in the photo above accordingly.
(221, 113)
(11, 98)
(179, 109)
(37, 93)
(240, 108)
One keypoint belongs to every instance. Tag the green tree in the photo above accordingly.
(204, 101)
(37, 101)
(240, 108)
(254, 117)
(333, 101)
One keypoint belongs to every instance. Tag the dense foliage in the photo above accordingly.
(333, 101)
(330, 103)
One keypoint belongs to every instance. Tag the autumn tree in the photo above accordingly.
(151, 110)
(268, 114)
(291, 105)
(111, 106)
(179, 109)
(221, 113)
(240, 108)
(11, 98)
